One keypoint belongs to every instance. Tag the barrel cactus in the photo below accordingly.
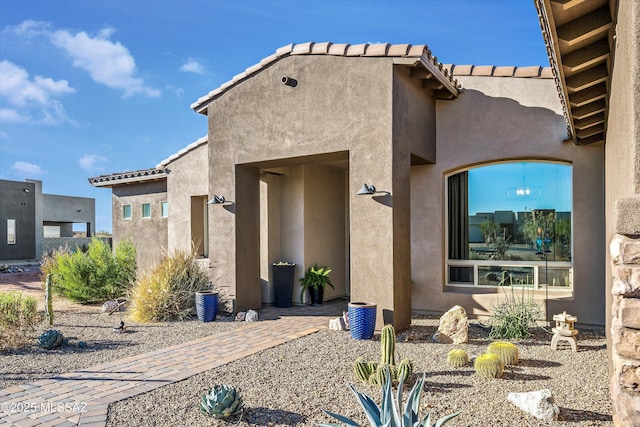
(489, 366)
(222, 401)
(457, 358)
(51, 339)
(506, 351)
(363, 369)
(404, 371)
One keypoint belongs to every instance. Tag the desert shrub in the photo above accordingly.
(98, 275)
(515, 316)
(167, 291)
(18, 317)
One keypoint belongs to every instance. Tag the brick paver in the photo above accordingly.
(82, 397)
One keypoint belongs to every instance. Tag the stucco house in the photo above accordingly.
(475, 177)
(33, 223)
(289, 159)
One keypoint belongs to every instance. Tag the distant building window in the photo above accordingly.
(11, 231)
(165, 209)
(146, 210)
(126, 212)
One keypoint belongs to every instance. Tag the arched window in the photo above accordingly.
(510, 224)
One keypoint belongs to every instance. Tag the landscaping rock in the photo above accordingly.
(241, 316)
(251, 316)
(111, 306)
(454, 327)
(540, 404)
(337, 324)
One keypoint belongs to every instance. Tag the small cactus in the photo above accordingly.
(362, 369)
(48, 299)
(387, 345)
(374, 373)
(222, 401)
(489, 366)
(506, 351)
(457, 358)
(404, 371)
(51, 339)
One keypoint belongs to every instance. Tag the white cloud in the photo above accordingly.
(31, 100)
(29, 28)
(177, 90)
(106, 61)
(192, 66)
(92, 162)
(28, 169)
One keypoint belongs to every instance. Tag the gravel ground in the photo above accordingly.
(290, 385)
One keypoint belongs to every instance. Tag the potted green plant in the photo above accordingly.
(315, 280)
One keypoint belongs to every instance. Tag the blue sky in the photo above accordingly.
(101, 86)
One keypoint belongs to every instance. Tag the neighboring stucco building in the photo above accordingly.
(33, 223)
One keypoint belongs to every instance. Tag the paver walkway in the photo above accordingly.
(82, 397)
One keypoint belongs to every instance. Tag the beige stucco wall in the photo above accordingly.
(187, 178)
(149, 235)
(506, 119)
(339, 104)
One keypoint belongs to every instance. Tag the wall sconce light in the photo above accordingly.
(367, 190)
(289, 81)
(26, 190)
(216, 200)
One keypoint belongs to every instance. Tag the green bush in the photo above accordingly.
(18, 317)
(515, 316)
(98, 275)
(167, 291)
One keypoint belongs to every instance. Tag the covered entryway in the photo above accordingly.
(304, 220)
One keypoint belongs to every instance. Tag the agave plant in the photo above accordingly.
(390, 415)
(222, 401)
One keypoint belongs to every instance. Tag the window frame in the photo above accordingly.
(12, 226)
(143, 206)
(540, 268)
(164, 209)
(124, 213)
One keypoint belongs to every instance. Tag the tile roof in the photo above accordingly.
(494, 71)
(128, 177)
(420, 53)
(200, 141)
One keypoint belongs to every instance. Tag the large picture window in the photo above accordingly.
(510, 224)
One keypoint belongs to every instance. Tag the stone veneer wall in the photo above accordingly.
(625, 330)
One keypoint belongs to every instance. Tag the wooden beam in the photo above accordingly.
(432, 84)
(420, 73)
(586, 57)
(585, 27)
(591, 140)
(580, 98)
(589, 121)
(593, 130)
(587, 78)
(589, 109)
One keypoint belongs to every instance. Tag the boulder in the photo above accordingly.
(337, 324)
(241, 316)
(251, 316)
(540, 404)
(454, 327)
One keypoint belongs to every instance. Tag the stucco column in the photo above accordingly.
(380, 244)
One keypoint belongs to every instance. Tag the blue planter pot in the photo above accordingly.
(206, 306)
(362, 320)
